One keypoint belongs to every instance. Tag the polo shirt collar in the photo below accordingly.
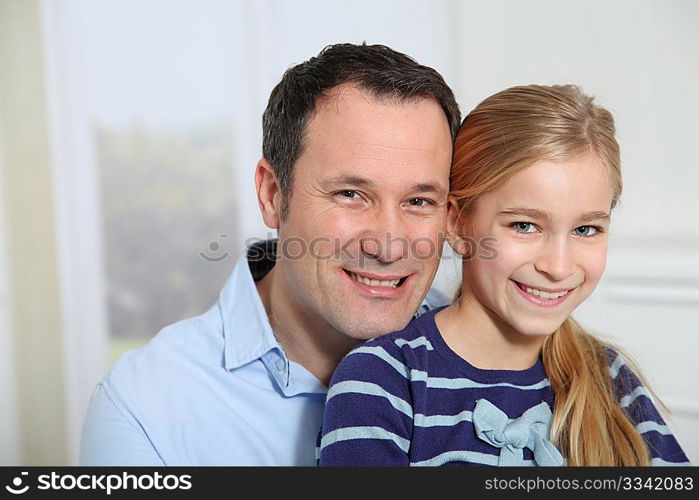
(246, 329)
(247, 332)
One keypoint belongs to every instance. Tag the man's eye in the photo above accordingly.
(524, 227)
(348, 193)
(586, 231)
(419, 202)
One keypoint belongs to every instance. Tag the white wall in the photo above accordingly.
(284, 33)
(639, 58)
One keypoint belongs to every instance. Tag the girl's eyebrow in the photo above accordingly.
(534, 213)
(531, 213)
(593, 215)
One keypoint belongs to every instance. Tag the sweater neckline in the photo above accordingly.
(531, 375)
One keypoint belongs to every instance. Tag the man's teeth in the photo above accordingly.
(544, 295)
(367, 281)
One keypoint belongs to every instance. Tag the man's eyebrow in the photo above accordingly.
(423, 187)
(356, 181)
(347, 180)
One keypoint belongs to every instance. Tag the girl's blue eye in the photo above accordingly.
(524, 227)
(586, 231)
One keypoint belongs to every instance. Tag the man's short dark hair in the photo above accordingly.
(377, 69)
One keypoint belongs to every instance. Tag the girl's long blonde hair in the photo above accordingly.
(503, 135)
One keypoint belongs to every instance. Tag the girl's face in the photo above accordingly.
(550, 222)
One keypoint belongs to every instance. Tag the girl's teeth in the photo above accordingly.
(545, 295)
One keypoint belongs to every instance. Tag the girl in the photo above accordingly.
(504, 375)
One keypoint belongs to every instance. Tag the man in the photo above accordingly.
(355, 175)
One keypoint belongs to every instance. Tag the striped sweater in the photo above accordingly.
(407, 399)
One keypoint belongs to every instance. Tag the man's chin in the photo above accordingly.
(369, 328)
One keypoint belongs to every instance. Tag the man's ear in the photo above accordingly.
(269, 196)
(455, 228)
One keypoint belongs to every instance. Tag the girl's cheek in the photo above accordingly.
(594, 262)
(513, 254)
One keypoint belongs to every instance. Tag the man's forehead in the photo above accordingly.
(349, 93)
(343, 91)
(360, 117)
(356, 140)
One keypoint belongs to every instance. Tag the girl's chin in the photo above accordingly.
(537, 329)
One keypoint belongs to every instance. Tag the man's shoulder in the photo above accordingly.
(168, 359)
(434, 299)
(409, 345)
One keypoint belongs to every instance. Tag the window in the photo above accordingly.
(160, 105)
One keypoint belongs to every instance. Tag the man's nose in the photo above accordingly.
(386, 237)
(556, 258)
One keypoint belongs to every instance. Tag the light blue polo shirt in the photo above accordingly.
(216, 389)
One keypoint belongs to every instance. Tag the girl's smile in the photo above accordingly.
(543, 297)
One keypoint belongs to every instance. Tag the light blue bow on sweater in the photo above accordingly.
(511, 436)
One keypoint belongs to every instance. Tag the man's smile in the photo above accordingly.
(388, 280)
(388, 286)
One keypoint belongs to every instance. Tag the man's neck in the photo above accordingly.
(305, 336)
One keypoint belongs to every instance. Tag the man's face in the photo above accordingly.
(364, 230)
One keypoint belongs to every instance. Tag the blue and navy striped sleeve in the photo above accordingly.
(368, 414)
(636, 401)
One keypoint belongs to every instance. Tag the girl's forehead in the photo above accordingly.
(580, 184)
